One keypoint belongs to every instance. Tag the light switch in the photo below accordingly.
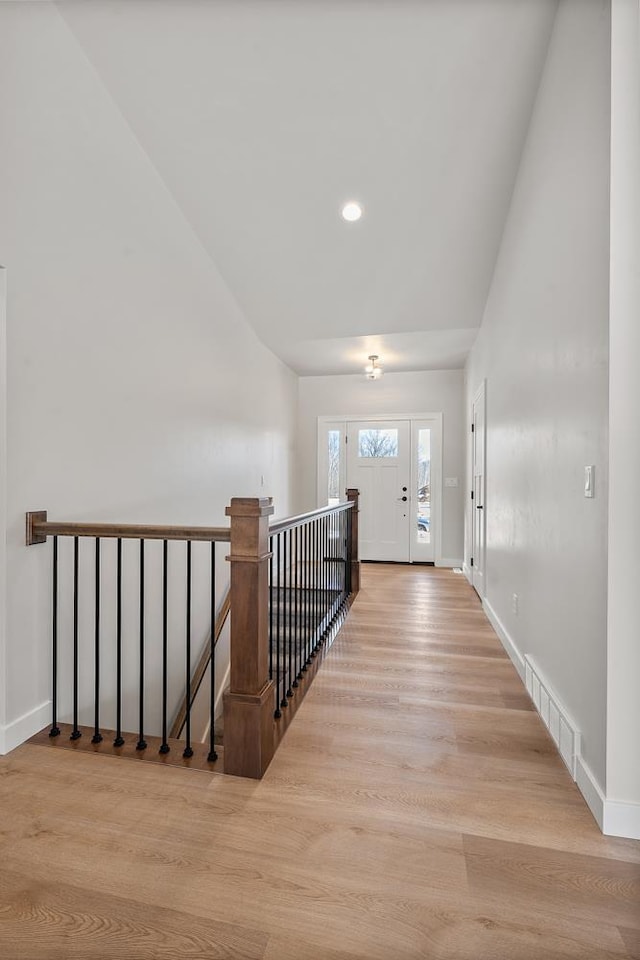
(451, 481)
(589, 480)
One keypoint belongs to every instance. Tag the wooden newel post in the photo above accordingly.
(354, 497)
(249, 702)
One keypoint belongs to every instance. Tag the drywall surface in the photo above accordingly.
(396, 393)
(543, 351)
(3, 494)
(623, 668)
(136, 390)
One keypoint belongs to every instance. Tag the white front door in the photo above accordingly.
(478, 493)
(379, 466)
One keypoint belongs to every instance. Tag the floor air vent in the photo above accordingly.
(563, 730)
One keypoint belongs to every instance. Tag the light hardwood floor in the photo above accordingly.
(415, 809)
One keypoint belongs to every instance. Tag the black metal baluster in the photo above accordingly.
(329, 570)
(337, 523)
(271, 609)
(303, 602)
(97, 736)
(55, 729)
(343, 568)
(75, 733)
(141, 744)
(272, 620)
(336, 563)
(119, 740)
(316, 585)
(279, 672)
(164, 746)
(213, 756)
(290, 618)
(347, 551)
(305, 597)
(343, 551)
(345, 520)
(325, 581)
(300, 601)
(320, 573)
(188, 752)
(311, 593)
(285, 577)
(296, 611)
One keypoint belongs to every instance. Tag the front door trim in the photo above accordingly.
(436, 463)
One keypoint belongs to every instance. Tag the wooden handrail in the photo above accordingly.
(290, 522)
(201, 668)
(39, 528)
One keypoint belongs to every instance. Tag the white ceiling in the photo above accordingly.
(263, 116)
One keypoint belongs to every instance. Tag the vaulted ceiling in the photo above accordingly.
(263, 117)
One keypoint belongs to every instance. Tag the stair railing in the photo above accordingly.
(299, 575)
(310, 583)
(290, 585)
(131, 623)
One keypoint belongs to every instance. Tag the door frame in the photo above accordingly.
(480, 398)
(340, 420)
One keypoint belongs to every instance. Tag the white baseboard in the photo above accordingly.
(16, 732)
(444, 562)
(466, 569)
(555, 716)
(504, 637)
(615, 818)
(590, 790)
(621, 819)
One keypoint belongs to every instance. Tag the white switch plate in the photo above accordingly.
(589, 480)
(451, 481)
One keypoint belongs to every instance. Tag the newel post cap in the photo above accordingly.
(250, 507)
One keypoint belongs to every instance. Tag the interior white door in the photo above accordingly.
(379, 466)
(478, 519)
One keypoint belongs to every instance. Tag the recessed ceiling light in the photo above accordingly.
(351, 211)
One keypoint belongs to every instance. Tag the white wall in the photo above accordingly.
(396, 393)
(623, 664)
(136, 390)
(543, 349)
(3, 497)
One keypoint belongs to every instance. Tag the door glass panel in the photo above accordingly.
(378, 443)
(333, 463)
(423, 493)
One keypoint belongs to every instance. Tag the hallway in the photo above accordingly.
(417, 808)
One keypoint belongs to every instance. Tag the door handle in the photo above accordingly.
(479, 507)
(402, 499)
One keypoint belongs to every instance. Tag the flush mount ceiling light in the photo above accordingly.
(373, 371)
(351, 211)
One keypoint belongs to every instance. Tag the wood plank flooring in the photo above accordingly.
(415, 809)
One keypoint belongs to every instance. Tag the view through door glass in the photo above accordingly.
(377, 443)
(423, 492)
(334, 444)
